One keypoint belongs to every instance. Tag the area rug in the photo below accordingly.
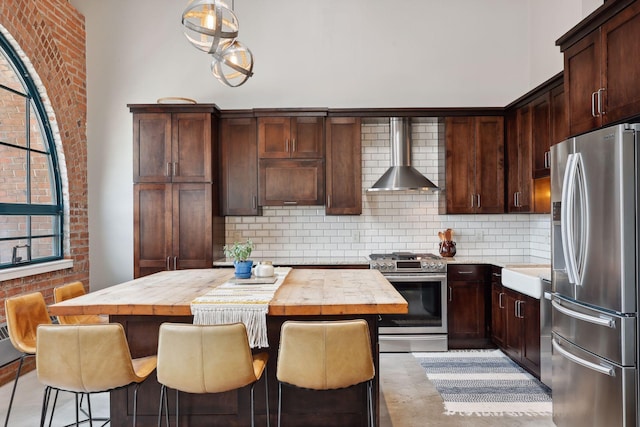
(484, 382)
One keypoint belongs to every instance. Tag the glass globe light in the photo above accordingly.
(210, 25)
(234, 65)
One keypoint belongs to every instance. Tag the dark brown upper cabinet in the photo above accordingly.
(559, 123)
(518, 147)
(474, 164)
(541, 135)
(296, 137)
(239, 166)
(601, 68)
(343, 166)
(172, 147)
(291, 182)
(534, 122)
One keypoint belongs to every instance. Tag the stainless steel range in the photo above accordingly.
(422, 280)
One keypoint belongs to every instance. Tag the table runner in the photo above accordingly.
(234, 302)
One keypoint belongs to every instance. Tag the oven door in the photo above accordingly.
(426, 295)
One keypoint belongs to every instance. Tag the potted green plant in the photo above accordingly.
(240, 252)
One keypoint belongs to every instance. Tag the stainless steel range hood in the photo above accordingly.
(401, 175)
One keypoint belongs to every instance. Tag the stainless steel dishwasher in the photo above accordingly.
(545, 333)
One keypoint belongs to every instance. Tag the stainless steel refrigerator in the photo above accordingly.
(594, 239)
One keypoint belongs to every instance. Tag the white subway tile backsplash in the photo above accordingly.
(393, 221)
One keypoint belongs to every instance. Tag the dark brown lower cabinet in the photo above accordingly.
(466, 306)
(497, 307)
(518, 317)
(175, 227)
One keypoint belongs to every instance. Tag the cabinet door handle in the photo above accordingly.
(465, 272)
(293, 145)
(500, 295)
(286, 202)
(450, 292)
(478, 199)
(175, 262)
(254, 202)
(600, 109)
(329, 200)
(473, 196)
(519, 309)
(547, 159)
(175, 168)
(168, 267)
(593, 104)
(516, 199)
(168, 171)
(286, 145)
(496, 274)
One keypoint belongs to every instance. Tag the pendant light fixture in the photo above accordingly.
(234, 65)
(211, 26)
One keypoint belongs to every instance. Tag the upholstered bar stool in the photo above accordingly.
(24, 314)
(73, 290)
(325, 356)
(207, 359)
(84, 359)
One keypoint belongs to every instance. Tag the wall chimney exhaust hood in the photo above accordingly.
(401, 175)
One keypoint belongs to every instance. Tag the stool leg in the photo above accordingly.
(266, 394)
(252, 411)
(279, 402)
(370, 420)
(45, 405)
(88, 406)
(161, 405)
(55, 402)
(135, 403)
(177, 408)
(13, 391)
(77, 410)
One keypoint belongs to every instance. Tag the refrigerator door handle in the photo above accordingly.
(566, 217)
(600, 321)
(574, 185)
(603, 369)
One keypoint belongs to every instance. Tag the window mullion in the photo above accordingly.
(28, 142)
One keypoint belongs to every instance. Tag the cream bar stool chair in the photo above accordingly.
(207, 359)
(87, 359)
(66, 292)
(325, 356)
(72, 290)
(24, 314)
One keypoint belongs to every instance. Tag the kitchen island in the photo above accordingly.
(141, 305)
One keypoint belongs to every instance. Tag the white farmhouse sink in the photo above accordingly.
(526, 280)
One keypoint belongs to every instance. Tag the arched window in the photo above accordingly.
(31, 211)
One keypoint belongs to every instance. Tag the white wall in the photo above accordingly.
(548, 20)
(332, 53)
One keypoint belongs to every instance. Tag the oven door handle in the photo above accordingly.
(428, 277)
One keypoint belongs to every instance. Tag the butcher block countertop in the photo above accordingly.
(303, 292)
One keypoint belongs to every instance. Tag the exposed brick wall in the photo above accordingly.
(51, 33)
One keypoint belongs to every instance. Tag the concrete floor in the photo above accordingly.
(407, 400)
